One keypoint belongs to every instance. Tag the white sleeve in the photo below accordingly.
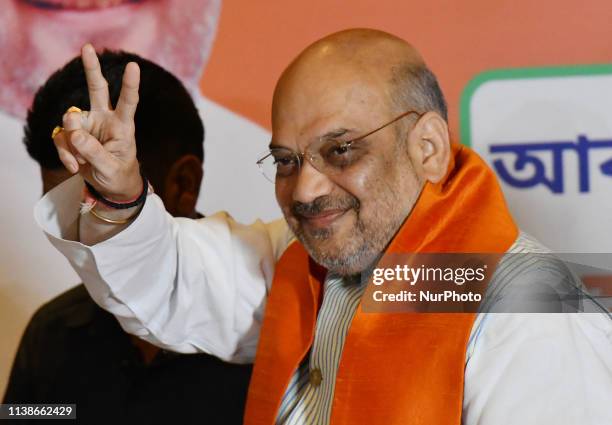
(182, 284)
(540, 369)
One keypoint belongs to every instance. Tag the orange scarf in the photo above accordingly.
(396, 368)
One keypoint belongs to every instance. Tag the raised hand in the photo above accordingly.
(100, 144)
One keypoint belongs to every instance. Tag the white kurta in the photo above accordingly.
(201, 285)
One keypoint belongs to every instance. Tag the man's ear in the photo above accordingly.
(429, 147)
(182, 186)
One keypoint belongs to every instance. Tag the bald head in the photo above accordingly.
(373, 56)
(366, 49)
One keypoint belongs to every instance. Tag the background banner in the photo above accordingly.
(547, 133)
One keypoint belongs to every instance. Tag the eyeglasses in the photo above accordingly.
(328, 155)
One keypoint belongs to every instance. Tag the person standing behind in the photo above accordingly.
(72, 350)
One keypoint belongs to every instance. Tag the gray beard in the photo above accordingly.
(360, 260)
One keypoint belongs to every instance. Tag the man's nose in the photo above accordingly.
(311, 184)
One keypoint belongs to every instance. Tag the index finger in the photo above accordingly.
(96, 84)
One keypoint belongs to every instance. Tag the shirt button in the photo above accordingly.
(315, 377)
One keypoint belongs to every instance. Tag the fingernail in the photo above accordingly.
(74, 168)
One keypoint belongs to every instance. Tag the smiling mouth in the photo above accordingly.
(78, 4)
(323, 219)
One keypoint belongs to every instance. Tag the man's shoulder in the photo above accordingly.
(530, 278)
(529, 257)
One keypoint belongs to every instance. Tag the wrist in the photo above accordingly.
(132, 190)
(113, 216)
(130, 194)
(127, 200)
(99, 225)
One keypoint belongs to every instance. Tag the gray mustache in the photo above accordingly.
(324, 203)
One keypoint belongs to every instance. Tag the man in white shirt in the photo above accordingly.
(362, 165)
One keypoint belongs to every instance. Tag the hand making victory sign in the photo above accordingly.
(100, 144)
